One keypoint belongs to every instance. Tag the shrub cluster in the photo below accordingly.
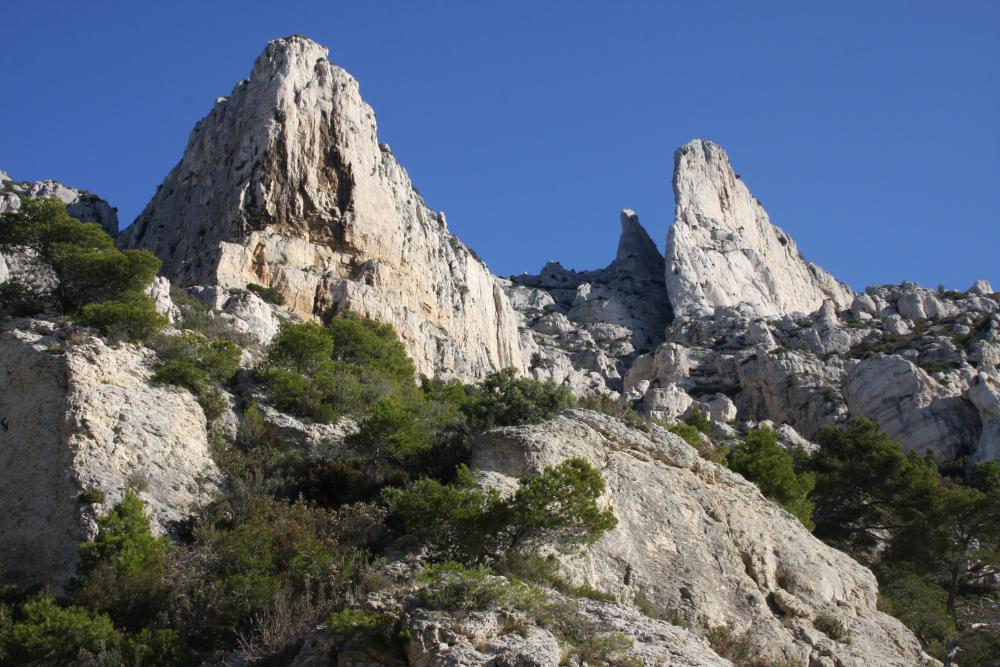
(77, 271)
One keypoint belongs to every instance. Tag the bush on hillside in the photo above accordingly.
(78, 270)
(199, 365)
(504, 399)
(465, 523)
(772, 468)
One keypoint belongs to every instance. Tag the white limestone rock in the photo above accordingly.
(722, 249)
(159, 292)
(984, 392)
(284, 184)
(703, 544)
(981, 287)
(911, 407)
(77, 415)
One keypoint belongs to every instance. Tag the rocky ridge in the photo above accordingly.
(285, 184)
(80, 204)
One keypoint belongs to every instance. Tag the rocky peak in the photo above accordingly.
(722, 249)
(637, 254)
(285, 184)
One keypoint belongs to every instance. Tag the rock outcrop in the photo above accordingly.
(722, 249)
(80, 204)
(284, 184)
(703, 545)
(911, 407)
(79, 416)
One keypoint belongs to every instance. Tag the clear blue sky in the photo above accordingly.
(869, 129)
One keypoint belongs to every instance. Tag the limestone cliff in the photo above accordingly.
(79, 415)
(722, 249)
(284, 184)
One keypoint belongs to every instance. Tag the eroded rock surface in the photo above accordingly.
(284, 184)
(702, 544)
(80, 415)
(582, 329)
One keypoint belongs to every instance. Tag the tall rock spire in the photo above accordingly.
(722, 249)
(284, 184)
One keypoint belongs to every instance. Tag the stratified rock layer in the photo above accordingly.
(78, 416)
(722, 249)
(702, 544)
(284, 184)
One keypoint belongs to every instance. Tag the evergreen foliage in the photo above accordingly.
(762, 461)
(78, 271)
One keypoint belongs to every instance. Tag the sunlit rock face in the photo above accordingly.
(722, 249)
(285, 184)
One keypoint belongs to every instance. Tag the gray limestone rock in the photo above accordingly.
(909, 405)
(703, 544)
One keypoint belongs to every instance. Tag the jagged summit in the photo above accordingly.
(722, 249)
(285, 184)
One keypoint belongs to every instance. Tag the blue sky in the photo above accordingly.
(869, 130)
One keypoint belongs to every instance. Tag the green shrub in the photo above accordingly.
(922, 607)
(463, 522)
(268, 294)
(687, 432)
(121, 571)
(503, 399)
(47, 634)
(391, 430)
(341, 369)
(252, 549)
(92, 495)
(831, 626)
(700, 421)
(763, 462)
(131, 318)
(454, 587)
(199, 365)
(364, 627)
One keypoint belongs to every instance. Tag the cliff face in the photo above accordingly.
(722, 249)
(77, 414)
(284, 184)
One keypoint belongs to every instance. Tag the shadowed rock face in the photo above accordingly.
(284, 184)
(722, 249)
